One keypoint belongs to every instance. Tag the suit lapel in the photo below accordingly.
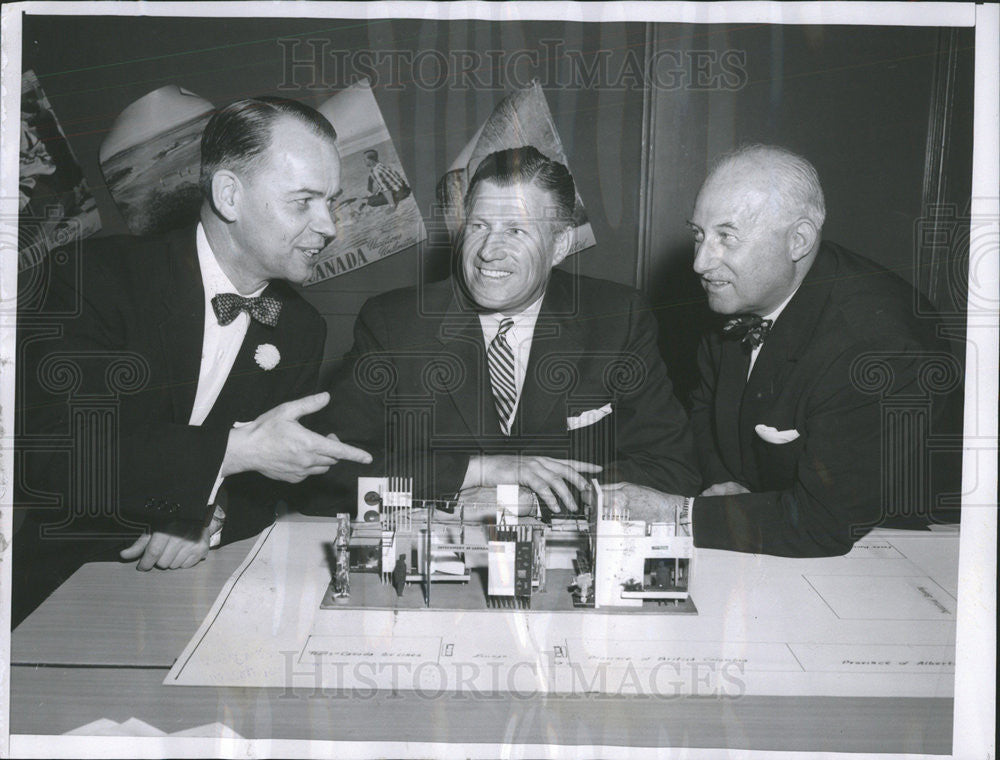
(182, 331)
(461, 336)
(247, 385)
(540, 409)
(729, 392)
(789, 337)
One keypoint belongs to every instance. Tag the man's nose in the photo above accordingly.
(323, 222)
(492, 247)
(705, 257)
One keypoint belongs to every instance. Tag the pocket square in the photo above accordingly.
(589, 417)
(773, 435)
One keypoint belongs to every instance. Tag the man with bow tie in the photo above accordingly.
(220, 358)
(512, 371)
(792, 416)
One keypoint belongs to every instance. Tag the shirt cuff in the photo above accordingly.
(219, 518)
(685, 517)
(220, 513)
(216, 487)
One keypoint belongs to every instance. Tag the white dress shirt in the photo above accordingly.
(518, 338)
(220, 344)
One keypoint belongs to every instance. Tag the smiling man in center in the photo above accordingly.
(512, 371)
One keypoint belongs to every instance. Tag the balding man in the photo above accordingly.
(788, 420)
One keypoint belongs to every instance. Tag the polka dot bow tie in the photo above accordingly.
(264, 309)
(750, 329)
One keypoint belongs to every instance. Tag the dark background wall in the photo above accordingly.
(859, 102)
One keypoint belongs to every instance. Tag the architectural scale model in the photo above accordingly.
(619, 562)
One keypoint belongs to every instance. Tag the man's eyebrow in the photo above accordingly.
(307, 191)
(501, 216)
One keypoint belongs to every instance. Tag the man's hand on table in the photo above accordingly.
(181, 544)
(480, 504)
(546, 476)
(729, 488)
(643, 503)
(279, 447)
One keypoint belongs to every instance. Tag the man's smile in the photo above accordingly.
(494, 274)
(712, 284)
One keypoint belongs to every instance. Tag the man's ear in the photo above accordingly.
(802, 237)
(226, 192)
(562, 244)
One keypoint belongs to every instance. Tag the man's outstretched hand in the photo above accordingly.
(277, 445)
(546, 476)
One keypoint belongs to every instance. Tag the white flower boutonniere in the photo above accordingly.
(267, 356)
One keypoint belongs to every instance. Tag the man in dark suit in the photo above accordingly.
(815, 400)
(181, 364)
(512, 372)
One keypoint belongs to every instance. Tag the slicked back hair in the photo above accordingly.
(238, 134)
(528, 165)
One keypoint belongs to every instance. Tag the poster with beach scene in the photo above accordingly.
(151, 159)
(375, 213)
(55, 204)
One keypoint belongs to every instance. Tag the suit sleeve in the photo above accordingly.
(307, 381)
(712, 468)
(361, 390)
(653, 438)
(841, 472)
(251, 491)
(164, 470)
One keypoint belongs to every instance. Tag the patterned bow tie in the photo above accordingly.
(264, 309)
(750, 329)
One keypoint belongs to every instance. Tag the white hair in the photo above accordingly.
(800, 191)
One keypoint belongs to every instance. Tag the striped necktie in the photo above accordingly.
(501, 362)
